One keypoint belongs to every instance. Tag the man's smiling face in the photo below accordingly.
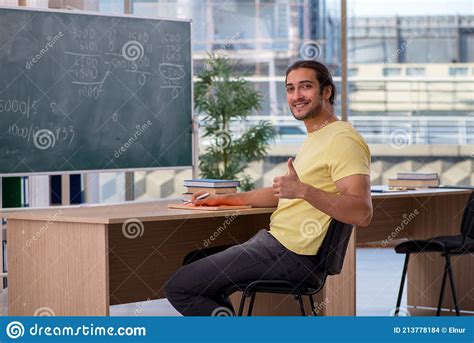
(303, 94)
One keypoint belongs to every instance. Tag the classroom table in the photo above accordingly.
(80, 260)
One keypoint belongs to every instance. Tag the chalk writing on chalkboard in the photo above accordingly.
(74, 87)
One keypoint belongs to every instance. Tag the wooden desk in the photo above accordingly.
(81, 260)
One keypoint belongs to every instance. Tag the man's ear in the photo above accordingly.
(327, 91)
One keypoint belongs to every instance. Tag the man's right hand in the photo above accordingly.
(262, 197)
(210, 200)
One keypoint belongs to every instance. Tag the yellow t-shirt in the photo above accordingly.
(327, 155)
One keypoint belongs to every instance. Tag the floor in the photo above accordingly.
(378, 279)
(379, 271)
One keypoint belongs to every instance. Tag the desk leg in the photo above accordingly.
(57, 268)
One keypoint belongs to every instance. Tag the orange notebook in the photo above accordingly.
(208, 208)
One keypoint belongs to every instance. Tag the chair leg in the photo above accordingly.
(453, 288)
(313, 309)
(242, 303)
(300, 301)
(443, 286)
(402, 284)
(252, 300)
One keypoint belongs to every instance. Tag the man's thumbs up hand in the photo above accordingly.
(291, 168)
(288, 186)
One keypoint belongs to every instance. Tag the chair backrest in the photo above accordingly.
(333, 249)
(467, 223)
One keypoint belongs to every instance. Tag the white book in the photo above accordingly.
(211, 183)
(416, 176)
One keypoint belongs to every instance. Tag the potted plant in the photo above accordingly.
(225, 97)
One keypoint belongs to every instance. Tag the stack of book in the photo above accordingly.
(414, 180)
(209, 185)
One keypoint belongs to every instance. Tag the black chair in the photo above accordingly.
(330, 256)
(462, 244)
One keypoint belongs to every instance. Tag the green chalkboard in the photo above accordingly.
(83, 92)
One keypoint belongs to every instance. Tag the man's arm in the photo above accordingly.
(263, 197)
(353, 205)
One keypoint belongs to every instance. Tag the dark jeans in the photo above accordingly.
(197, 289)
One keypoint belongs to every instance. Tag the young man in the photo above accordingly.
(329, 178)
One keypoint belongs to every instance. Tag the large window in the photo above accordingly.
(262, 36)
(412, 95)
